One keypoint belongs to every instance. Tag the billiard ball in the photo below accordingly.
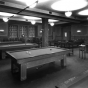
(28, 52)
(50, 49)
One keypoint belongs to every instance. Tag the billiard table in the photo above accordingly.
(23, 59)
(11, 47)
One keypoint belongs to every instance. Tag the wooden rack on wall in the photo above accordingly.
(16, 31)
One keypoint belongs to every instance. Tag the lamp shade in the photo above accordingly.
(33, 22)
(52, 24)
(5, 19)
(68, 13)
(78, 30)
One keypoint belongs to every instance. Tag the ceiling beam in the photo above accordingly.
(15, 8)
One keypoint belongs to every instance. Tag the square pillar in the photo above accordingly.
(45, 32)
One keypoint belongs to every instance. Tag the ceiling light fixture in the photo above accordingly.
(52, 20)
(31, 18)
(6, 14)
(33, 22)
(12, 15)
(5, 19)
(29, 2)
(83, 12)
(52, 24)
(68, 13)
(69, 5)
(1, 30)
(78, 30)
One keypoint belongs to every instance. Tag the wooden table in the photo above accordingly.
(23, 59)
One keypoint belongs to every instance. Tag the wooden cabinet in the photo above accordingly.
(16, 31)
(22, 31)
(31, 31)
(13, 30)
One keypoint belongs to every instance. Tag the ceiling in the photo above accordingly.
(43, 10)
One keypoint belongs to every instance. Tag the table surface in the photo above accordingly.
(34, 57)
(34, 52)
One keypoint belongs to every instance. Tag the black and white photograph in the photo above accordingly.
(43, 43)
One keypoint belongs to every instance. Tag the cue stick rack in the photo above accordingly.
(16, 31)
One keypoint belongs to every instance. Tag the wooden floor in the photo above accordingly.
(47, 76)
(81, 84)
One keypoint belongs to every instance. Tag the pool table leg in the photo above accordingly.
(63, 61)
(14, 67)
(23, 73)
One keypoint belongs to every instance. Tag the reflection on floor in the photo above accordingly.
(47, 76)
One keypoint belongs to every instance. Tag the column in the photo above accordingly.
(45, 32)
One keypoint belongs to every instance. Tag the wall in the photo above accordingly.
(39, 29)
(66, 29)
(49, 31)
(4, 36)
(17, 28)
(83, 28)
(59, 30)
(71, 29)
(4, 27)
(56, 34)
(4, 33)
(79, 35)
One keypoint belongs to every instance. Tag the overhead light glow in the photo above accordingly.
(69, 5)
(52, 24)
(6, 14)
(31, 18)
(65, 34)
(33, 22)
(78, 30)
(41, 31)
(27, 2)
(1, 30)
(52, 20)
(68, 13)
(33, 5)
(5, 19)
(30, 2)
(83, 12)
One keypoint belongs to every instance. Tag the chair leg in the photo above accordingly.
(56, 87)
